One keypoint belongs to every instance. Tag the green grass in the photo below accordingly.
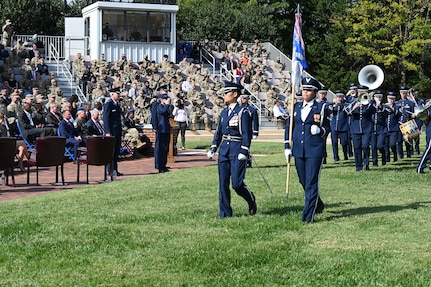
(164, 230)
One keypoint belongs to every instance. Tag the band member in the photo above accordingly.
(310, 129)
(339, 125)
(380, 130)
(393, 126)
(419, 102)
(407, 108)
(426, 156)
(233, 138)
(244, 102)
(361, 127)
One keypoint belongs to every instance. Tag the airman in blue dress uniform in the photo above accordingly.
(407, 108)
(244, 101)
(393, 127)
(339, 125)
(233, 138)
(112, 114)
(361, 127)
(310, 129)
(380, 130)
(426, 155)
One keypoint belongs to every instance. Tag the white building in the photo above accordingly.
(114, 28)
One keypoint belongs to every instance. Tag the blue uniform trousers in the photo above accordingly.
(378, 143)
(162, 144)
(308, 169)
(361, 148)
(230, 167)
(344, 141)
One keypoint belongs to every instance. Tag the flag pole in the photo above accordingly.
(298, 64)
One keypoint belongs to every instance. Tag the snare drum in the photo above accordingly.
(410, 130)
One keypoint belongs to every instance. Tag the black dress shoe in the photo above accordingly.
(119, 173)
(252, 208)
(367, 167)
(163, 170)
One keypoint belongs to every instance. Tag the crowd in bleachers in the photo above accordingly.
(26, 79)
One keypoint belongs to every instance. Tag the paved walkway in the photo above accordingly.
(129, 166)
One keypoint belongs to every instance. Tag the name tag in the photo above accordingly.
(114, 110)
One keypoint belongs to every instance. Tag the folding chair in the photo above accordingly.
(30, 147)
(68, 149)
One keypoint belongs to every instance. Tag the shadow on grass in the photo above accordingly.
(371, 210)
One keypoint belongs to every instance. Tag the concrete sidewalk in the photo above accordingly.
(129, 166)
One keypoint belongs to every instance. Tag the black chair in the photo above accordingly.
(49, 152)
(7, 157)
(100, 151)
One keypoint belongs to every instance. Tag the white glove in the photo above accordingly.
(242, 156)
(288, 154)
(254, 137)
(315, 130)
(210, 153)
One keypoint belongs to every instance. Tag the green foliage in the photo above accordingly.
(31, 16)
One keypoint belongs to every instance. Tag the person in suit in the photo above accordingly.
(163, 129)
(310, 129)
(67, 130)
(94, 125)
(54, 117)
(28, 127)
(233, 139)
(112, 124)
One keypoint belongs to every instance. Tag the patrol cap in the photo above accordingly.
(14, 95)
(310, 84)
(80, 109)
(29, 96)
(378, 94)
(391, 95)
(38, 97)
(339, 93)
(230, 87)
(130, 111)
(403, 89)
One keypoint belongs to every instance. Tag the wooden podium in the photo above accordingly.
(172, 140)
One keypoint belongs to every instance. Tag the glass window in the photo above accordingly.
(136, 26)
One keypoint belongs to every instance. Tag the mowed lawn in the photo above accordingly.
(164, 230)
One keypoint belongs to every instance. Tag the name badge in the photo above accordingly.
(114, 110)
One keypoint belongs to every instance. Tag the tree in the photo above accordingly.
(34, 16)
(392, 34)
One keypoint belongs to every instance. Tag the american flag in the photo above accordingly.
(299, 63)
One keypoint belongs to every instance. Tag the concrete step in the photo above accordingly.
(264, 135)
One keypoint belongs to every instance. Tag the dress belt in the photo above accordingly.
(232, 138)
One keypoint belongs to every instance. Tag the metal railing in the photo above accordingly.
(63, 69)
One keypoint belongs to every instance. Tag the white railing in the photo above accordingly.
(63, 69)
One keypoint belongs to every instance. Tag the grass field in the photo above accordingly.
(164, 230)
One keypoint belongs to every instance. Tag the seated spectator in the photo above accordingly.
(80, 124)
(53, 118)
(42, 68)
(29, 129)
(20, 144)
(94, 125)
(66, 129)
(131, 133)
(279, 113)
